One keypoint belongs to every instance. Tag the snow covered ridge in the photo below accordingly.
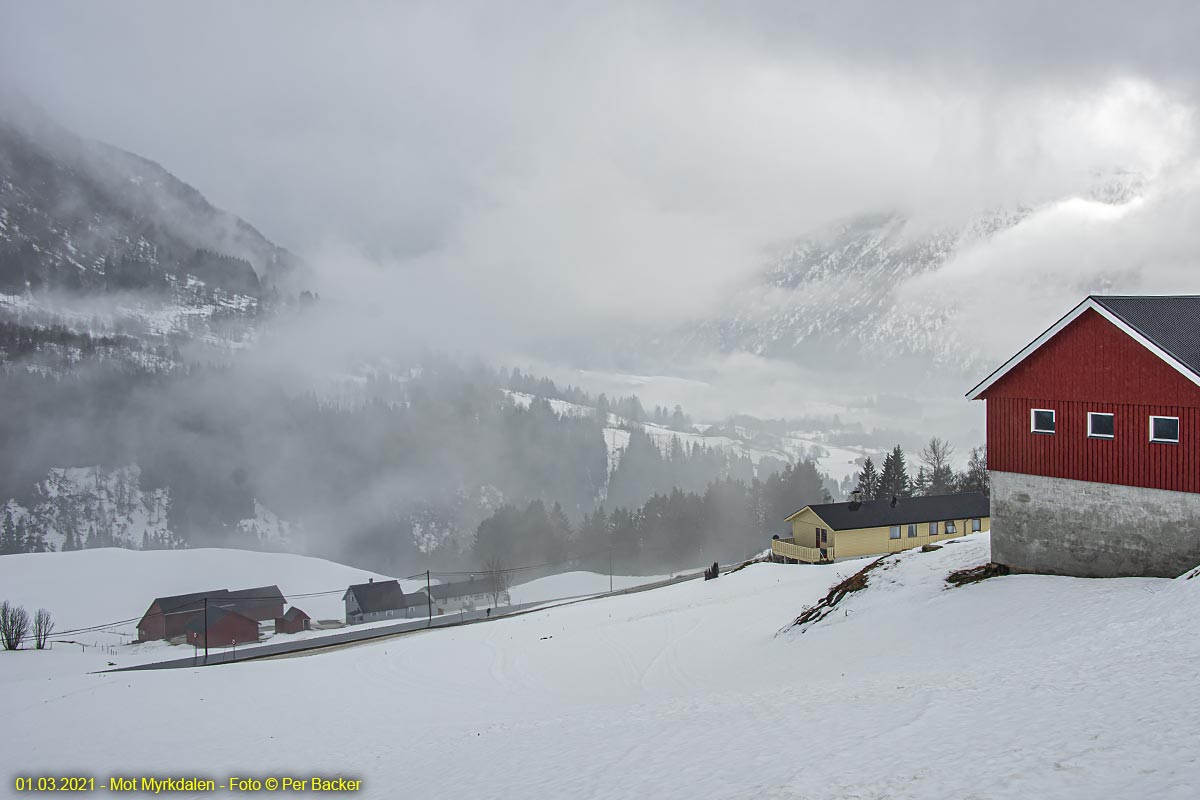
(83, 507)
(1017, 687)
(843, 285)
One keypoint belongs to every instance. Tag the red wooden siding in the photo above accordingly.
(1130, 458)
(227, 630)
(1092, 365)
(1092, 359)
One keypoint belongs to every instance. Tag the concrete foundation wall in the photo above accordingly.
(1092, 530)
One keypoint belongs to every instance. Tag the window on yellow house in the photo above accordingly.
(951, 527)
(933, 529)
(822, 536)
(894, 532)
(976, 525)
(912, 531)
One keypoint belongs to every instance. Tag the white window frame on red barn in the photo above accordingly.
(1154, 440)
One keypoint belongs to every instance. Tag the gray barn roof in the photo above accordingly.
(257, 597)
(172, 604)
(1171, 322)
(908, 510)
(416, 599)
(377, 596)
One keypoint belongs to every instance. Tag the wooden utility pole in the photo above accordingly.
(428, 600)
(205, 629)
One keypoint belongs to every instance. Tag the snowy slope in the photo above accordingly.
(91, 587)
(1018, 687)
(574, 584)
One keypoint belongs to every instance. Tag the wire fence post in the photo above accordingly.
(428, 601)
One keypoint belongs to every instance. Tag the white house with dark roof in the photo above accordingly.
(469, 595)
(374, 600)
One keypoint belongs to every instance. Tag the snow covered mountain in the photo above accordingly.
(832, 295)
(82, 220)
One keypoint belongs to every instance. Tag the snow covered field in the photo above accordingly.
(574, 584)
(87, 588)
(1020, 687)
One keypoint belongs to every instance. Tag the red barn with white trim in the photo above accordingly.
(1093, 442)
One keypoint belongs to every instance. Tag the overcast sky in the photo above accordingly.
(640, 156)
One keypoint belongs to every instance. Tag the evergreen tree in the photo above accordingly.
(893, 479)
(921, 483)
(560, 525)
(10, 538)
(32, 536)
(602, 408)
(868, 480)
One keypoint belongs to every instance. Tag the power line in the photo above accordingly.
(190, 606)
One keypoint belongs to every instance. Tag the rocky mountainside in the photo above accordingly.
(832, 296)
(83, 507)
(97, 227)
(80, 214)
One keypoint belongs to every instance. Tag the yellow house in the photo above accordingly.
(831, 531)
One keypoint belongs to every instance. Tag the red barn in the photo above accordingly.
(1093, 442)
(168, 617)
(225, 628)
(293, 621)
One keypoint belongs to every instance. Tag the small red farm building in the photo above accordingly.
(293, 621)
(225, 628)
(1093, 442)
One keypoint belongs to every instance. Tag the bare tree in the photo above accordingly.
(43, 626)
(939, 475)
(976, 477)
(14, 624)
(497, 579)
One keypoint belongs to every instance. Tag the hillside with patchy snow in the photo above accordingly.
(836, 460)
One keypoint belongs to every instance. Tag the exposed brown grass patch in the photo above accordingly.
(855, 583)
(976, 574)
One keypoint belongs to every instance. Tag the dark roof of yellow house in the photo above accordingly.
(901, 511)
